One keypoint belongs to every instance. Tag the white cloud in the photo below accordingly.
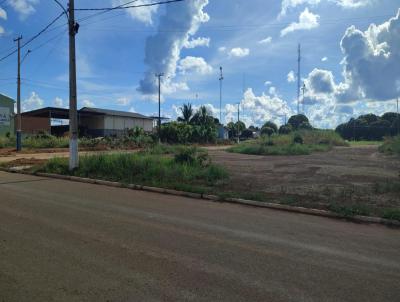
(371, 62)
(307, 21)
(265, 41)
(3, 14)
(87, 103)
(222, 49)
(288, 4)
(141, 14)
(291, 77)
(58, 102)
(132, 109)
(324, 59)
(259, 109)
(163, 49)
(352, 3)
(347, 4)
(123, 101)
(23, 7)
(193, 43)
(239, 52)
(2, 31)
(194, 64)
(268, 83)
(32, 103)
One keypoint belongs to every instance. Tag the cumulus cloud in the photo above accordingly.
(88, 103)
(265, 41)
(239, 52)
(164, 48)
(347, 4)
(371, 67)
(141, 14)
(324, 59)
(193, 43)
(58, 102)
(32, 103)
(23, 7)
(194, 64)
(259, 109)
(3, 14)
(371, 62)
(291, 77)
(307, 21)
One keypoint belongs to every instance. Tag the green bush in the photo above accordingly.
(143, 168)
(391, 146)
(297, 139)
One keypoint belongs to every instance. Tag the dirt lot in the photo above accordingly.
(345, 174)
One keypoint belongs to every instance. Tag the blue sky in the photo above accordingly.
(255, 41)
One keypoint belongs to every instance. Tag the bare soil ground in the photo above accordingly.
(343, 175)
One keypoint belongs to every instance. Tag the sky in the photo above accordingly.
(350, 57)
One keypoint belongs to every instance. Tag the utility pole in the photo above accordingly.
(398, 118)
(159, 75)
(303, 88)
(238, 128)
(298, 78)
(73, 113)
(19, 119)
(221, 78)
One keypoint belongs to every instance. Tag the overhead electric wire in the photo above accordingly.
(129, 6)
(34, 37)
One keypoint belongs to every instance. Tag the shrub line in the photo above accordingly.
(260, 204)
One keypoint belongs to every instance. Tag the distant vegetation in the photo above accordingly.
(192, 127)
(297, 137)
(370, 127)
(178, 167)
(391, 145)
(300, 142)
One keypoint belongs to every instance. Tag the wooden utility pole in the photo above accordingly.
(19, 120)
(159, 76)
(73, 114)
(238, 126)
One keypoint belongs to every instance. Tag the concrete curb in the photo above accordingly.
(260, 204)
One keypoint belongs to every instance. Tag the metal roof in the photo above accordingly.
(63, 113)
(7, 98)
(114, 113)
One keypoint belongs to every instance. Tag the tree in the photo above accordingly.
(187, 113)
(299, 121)
(285, 129)
(267, 131)
(271, 125)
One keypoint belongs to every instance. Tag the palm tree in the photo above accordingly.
(187, 113)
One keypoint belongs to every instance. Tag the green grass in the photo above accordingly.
(393, 214)
(350, 210)
(312, 141)
(365, 143)
(147, 169)
(391, 146)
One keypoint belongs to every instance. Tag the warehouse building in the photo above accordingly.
(92, 122)
(6, 115)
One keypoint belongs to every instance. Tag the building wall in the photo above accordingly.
(6, 115)
(35, 125)
(117, 123)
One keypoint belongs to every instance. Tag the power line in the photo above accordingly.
(129, 6)
(34, 37)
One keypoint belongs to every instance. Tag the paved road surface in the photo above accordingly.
(66, 241)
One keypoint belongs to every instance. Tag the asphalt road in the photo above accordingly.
(66, 241)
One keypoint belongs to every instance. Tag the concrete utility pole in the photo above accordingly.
(298, 78)
(221, 78)
(303, 88)
(238, 129)
(73, 112)
(398, 118)
(19, 120)
(159, 75)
